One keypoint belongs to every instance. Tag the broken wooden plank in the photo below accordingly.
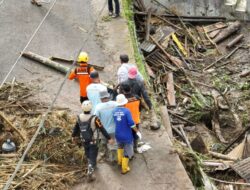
(243, 169)
(148, 24)
(166, 120)
(177, 62)
(170, 93)
(214, 33)
(221, 156)
(232, 28)
(235, 41)
(215, 26)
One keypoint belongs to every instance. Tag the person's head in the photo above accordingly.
(94, 75)
(126, 89)
(83, 58)
(121, 100)
(86, 107)
(124, 58)
(104, 96)
(132, 73)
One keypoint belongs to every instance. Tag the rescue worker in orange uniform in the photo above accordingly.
(82, 73)
(134, 107)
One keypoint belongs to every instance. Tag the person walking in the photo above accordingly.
(82, 73)
(122, 72)
(87, 128)
(134, 107)
(104, 111)
(111, 9)
(123, 133)
(94, 89)
(138, 88)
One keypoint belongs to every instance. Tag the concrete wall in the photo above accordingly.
(203, 7)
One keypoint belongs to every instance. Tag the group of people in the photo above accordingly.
(109, 122)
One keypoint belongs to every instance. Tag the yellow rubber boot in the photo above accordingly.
(125, 167)
(120, 153)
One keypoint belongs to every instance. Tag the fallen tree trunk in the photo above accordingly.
(45, 61)
(227, 32)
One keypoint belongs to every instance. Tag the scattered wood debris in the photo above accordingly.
(53, 161)
(197, 72)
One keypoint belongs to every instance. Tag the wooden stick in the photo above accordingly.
(8, 155)
(185, 136)
(181, 118)
(148, 24)
(235, 41)
(166, 120)
(170, 89)
(174, 60)
(12, 126)
(32, 169)
(229, 182)
(168, 22)
(221, 156)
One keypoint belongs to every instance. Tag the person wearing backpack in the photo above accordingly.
(87, 128)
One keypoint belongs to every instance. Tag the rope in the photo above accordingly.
(45, 116)
(31, 38)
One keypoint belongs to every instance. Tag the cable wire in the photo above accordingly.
(31, 38)
(45, 116)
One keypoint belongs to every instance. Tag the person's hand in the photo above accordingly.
(139, 135)
(111, 141)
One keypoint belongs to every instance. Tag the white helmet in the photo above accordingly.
(86, 106)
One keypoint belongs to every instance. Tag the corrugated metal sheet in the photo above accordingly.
(243, 169)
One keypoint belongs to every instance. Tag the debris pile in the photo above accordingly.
(53, 162)
(199, 67)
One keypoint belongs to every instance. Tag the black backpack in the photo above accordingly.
(86, 132)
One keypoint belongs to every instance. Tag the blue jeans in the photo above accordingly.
(117, 6)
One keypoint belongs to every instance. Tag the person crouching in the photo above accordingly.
(87, 128)
(123, 133)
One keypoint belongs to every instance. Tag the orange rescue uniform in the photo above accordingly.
(82, 74)
(133, 106)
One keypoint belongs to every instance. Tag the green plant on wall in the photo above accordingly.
(129, 15)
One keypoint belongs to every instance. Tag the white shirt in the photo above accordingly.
(122, 72)
(93, 93)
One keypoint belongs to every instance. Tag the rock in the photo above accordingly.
(199, 145)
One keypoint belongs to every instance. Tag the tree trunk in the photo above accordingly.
(45, 61)
(227, 32)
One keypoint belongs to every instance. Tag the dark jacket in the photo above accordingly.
(138, 88)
